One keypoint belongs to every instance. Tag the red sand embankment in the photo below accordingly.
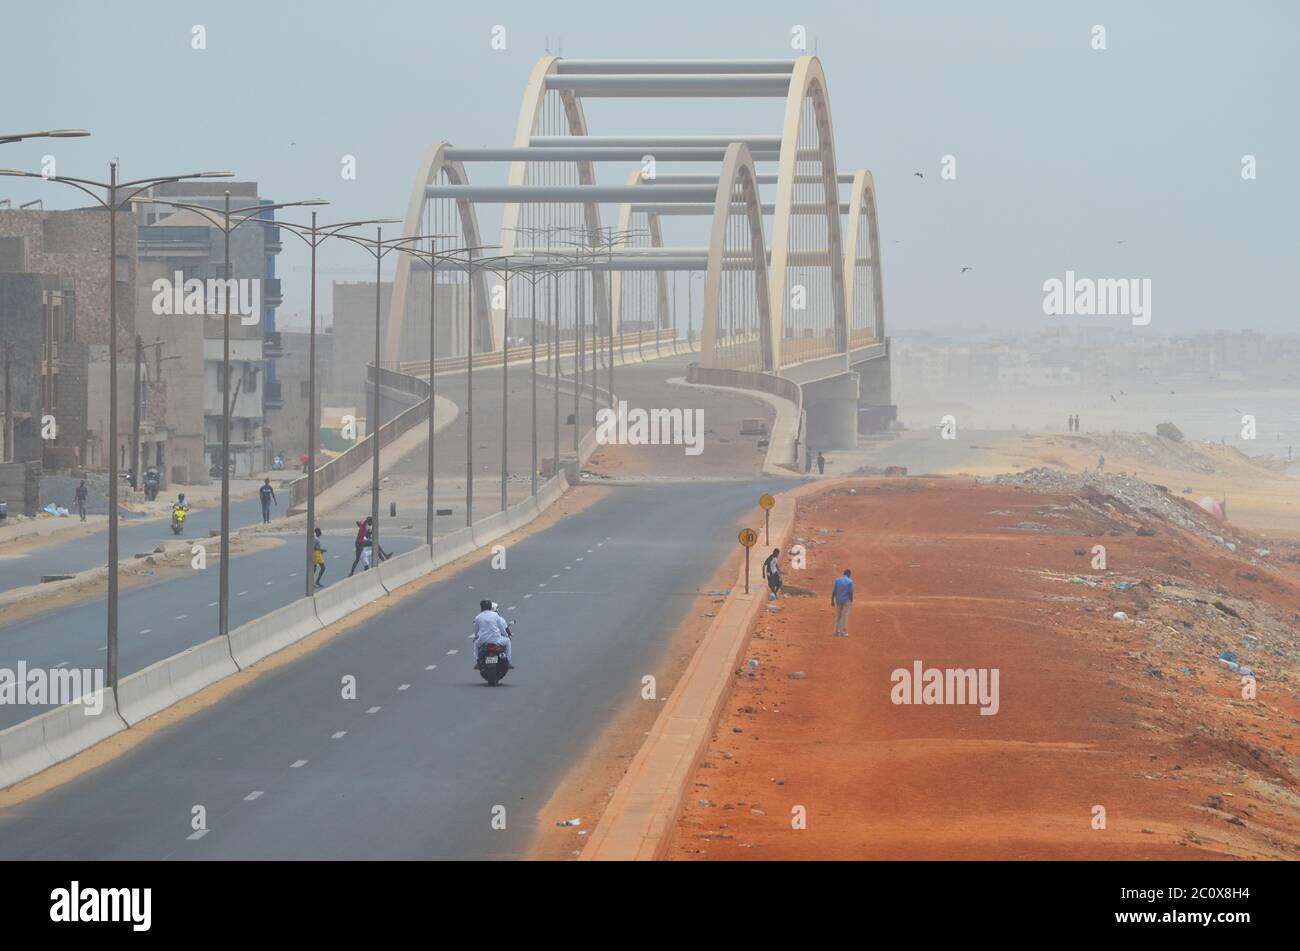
(1137, 717)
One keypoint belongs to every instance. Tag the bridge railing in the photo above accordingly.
(359, 453)
(637, 341)
(766, 383)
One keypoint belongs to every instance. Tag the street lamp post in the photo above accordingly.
(314, 236)
(229, 220)
(434, 257)
(112, 187)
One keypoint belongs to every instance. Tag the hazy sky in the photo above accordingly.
(1061, 150)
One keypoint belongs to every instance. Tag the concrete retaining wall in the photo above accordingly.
(159, 685)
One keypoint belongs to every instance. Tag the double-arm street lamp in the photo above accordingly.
(314, 236)
(435, 259)
(114, 203)
(9, 137)
(379, 249)
(227, 219)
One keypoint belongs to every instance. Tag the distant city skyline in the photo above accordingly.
(1119, 163)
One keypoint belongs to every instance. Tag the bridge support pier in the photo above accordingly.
(875, 397)
(831, 406)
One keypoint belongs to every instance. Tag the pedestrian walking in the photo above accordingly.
(363, 537)
(841, 600)
(807, 459)
(772, 572)
(268, 499)
(80, 496)
(821, 464)
(318, 559)
(1101, 464)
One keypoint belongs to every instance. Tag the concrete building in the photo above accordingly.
(66, 299)
(288, 427)
(353, 331)
(181, 248)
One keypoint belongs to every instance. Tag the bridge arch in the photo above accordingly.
(737, 324)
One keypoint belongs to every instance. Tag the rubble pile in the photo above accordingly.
(1124, 492)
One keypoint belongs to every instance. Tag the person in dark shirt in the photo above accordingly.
(268, 499)
(363, 539)
(772, 572)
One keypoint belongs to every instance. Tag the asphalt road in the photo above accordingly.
(158, 620)
(414, 766)
(91, 551)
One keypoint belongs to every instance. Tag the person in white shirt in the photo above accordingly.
(490, 628)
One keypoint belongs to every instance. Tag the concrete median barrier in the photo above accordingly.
(61, 733)
(450, 547)
(351, 594)
(491, 528)
(275, 631)
(521, 513)
(550, 492)
(159, 685)
(406, 568)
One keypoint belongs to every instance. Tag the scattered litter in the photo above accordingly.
(569, 822)
(796, 675)
(1120, 616)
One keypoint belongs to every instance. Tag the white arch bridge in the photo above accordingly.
(792, 285)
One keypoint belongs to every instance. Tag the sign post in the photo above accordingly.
(748, 537)
(766, 503)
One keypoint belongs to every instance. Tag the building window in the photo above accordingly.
(250, 380)
(304, 389)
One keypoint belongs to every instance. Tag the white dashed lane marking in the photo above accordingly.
(404, 687)
(374, 709)
(453, 651)
(297, 764)
(241, 594)
(212, 604)
(256, 793)
(181, 617)
(432, 667)
(146, 630)
(339, 735)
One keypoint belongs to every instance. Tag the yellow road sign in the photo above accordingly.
(748, 537)
(766, 502)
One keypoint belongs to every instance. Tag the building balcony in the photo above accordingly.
(271, 293)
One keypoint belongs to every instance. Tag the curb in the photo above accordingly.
(637, 825)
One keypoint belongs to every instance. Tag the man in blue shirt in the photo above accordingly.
(841, 599)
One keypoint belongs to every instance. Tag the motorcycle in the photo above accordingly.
(493, 665)
(178, 518)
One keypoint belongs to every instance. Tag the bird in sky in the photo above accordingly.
(918, 175)
(967, 268)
